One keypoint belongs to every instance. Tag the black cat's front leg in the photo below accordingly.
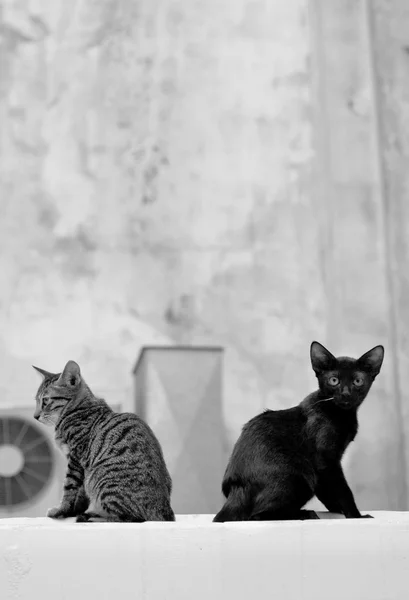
(74, 500)
(286, 515)
(335, 494)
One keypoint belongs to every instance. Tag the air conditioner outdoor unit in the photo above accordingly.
(32, 469)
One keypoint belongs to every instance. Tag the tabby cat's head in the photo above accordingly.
(345, 381)
(55, 391)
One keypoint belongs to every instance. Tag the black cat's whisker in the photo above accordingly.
(324, 400)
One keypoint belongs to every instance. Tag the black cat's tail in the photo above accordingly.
(237, 507)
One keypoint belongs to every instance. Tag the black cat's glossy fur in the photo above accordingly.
(285, 457)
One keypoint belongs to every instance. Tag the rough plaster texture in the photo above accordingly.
(155, 163)
(194, 558)
(199, 172)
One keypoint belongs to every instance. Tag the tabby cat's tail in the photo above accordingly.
(237, 507)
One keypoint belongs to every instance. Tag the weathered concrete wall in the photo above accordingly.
(154, 188)
(194, 172)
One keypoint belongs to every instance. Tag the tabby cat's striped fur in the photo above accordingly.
(116, 470)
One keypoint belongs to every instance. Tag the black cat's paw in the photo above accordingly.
(306, 515)
(366, 517)
(59, 513)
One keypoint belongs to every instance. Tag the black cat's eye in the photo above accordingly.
(358, 381)
(333, 381)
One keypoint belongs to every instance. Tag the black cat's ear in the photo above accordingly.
(321, 358)
(71, 376)
(45, 374)
(372, 360)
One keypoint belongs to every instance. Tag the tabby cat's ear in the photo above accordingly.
(321, 358)
(45, 374)
(71, 376)
(372, 360)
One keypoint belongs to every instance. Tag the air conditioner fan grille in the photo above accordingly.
(34, 468)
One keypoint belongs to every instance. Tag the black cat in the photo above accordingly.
(285, 457)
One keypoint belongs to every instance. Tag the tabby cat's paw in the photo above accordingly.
(58, 513)
(92, 517)
(84, 518)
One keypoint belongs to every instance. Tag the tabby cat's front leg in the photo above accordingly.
(74, 500)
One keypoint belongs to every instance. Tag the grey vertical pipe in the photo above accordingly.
(390, 267)
(321, 133)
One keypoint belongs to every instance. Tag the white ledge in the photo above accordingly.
(195, 559)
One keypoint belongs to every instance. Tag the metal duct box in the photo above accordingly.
(178, 392)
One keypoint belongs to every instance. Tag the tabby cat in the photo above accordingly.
(285, 457)
(116, 470)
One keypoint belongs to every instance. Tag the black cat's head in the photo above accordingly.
(343, 380)
(55, 391)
